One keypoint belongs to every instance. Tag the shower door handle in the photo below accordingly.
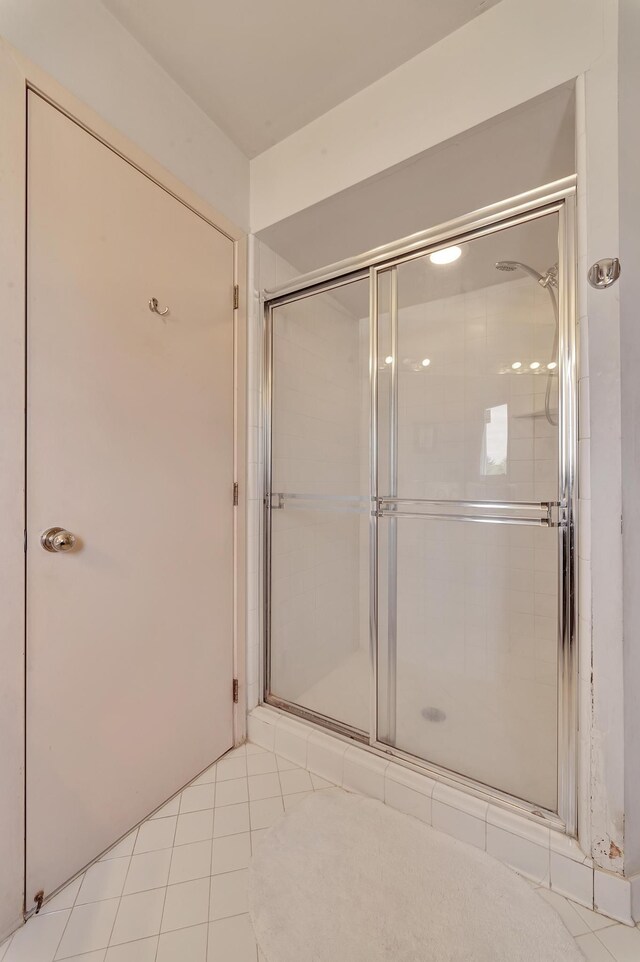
(409, 508)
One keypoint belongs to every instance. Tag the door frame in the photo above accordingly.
(558, 197)
(17, 76)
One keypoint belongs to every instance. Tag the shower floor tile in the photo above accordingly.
(199, 914)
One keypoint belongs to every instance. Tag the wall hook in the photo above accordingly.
(604, 273)
(153, 306)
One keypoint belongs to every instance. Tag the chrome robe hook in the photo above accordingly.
(153, 306)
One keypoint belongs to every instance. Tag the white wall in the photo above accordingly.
(629, 292)
(512, 53)
(516, 151)
(82, 46)
(600, 482)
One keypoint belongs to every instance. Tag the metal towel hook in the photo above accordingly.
(153, 306)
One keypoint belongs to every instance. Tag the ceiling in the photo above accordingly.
(262, 69)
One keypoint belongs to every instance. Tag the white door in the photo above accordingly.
(129, 447)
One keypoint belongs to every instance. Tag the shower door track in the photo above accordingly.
(558, 197)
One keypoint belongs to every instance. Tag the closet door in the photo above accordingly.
(130, 449)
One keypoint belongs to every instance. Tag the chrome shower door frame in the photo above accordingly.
(559, 198)
(271, 302)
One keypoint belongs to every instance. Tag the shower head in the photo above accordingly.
(545, 280)
(517, 265)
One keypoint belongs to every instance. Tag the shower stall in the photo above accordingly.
(420, 449)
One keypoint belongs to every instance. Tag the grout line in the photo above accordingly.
(166, 888)
(606, 949)
(249, 802)
(115, 917)
(213, 828)
(59, 943)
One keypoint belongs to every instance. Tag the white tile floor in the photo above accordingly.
(174, 890)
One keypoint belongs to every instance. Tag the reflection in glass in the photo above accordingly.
(496, 440)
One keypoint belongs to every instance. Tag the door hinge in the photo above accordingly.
(235, 494)
(235, 691)
(236, 296)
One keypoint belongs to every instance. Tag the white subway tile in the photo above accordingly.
(291, 741)
(525, 857)
(325, 757)
(364, 773)
(570, 848)
(407, 800)
(571, 879)
(584, 469)
(261, 730)
(411, 779)
(458, 824)
(519, 825)
(612, 896)
(461, 801)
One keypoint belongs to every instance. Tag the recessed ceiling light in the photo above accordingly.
(445, 256)
(516, 365)
(551, 366)
(534, 365)
(426, 362)
(388, 359)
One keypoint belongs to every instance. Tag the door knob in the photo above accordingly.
(57, 539)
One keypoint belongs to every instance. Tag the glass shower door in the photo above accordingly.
(318, 507)
(468, 415)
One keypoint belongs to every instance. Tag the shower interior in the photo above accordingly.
(469, 424)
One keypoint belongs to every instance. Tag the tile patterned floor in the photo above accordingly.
(174, 890)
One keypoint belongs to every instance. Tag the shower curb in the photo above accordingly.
(541, 854)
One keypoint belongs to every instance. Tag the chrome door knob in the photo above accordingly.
(57, 539)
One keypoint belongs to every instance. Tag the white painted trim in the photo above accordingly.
(16, 76)
(541, 854)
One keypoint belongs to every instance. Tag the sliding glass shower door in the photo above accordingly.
(468, 488)
(318, 511)
(419, 550)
